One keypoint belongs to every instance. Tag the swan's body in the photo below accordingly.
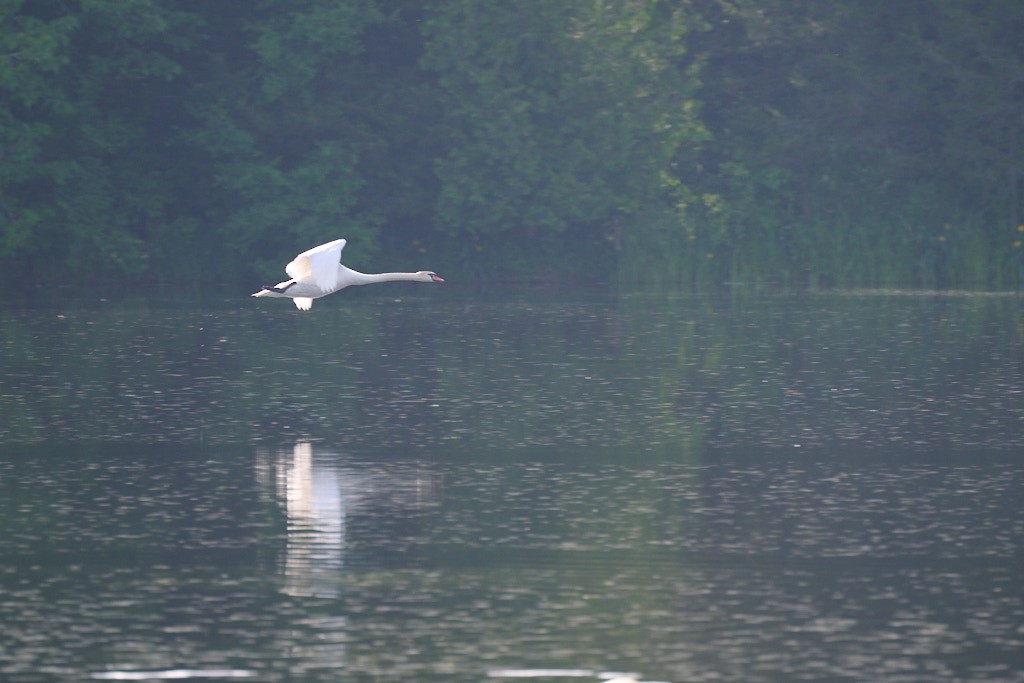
(318, 272)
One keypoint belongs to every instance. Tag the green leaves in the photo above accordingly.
(284, 139)
(858, 126)
(72, 77)
(678, 140)
(298, 43)
(565, 114)
(31, 49)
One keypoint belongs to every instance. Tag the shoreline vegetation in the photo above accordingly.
(670, 144)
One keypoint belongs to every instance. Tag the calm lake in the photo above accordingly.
(415, 483)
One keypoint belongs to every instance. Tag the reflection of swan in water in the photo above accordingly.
(316, 499)
(317, 496)
(319, 492)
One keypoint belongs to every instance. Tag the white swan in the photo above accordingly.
(318, 272)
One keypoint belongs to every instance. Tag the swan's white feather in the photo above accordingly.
(303, 303)
(319, 263)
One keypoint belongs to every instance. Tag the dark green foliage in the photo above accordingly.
(80, 179)
(675, 142)
(565, 115)
(865, 143)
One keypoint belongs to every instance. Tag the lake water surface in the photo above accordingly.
(423, 484)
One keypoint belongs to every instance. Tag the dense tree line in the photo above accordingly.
(855, 142)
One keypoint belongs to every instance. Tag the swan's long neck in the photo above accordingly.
(354, 277)
(388, 277)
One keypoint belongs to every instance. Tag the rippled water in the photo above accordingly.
(751, 488)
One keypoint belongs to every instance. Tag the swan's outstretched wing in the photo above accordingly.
(320, 263)
(303, 303)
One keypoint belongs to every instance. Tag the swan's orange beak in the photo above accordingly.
(436, 278)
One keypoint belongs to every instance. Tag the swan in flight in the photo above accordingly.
(318, 272)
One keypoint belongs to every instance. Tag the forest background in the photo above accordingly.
(667, 142)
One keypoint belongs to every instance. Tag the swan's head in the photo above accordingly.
(429, 276)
